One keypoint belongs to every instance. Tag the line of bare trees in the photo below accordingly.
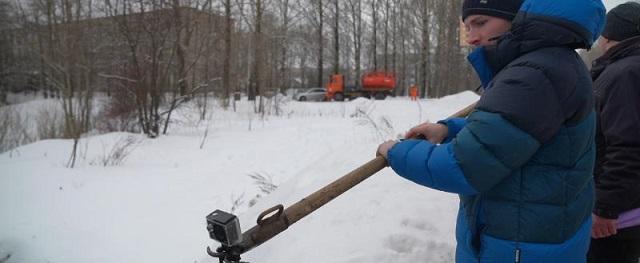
(150, 56)
(269, 45)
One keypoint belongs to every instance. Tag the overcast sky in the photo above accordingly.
(613, 3)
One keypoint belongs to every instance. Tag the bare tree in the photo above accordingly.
(397, 43)
(456, 61)
(193, 44)
(440, 56)
(258, 51)
(387, 16)
(160, 54)
(256, 68)
(319, 9)
(336, 37)
(374, 35)
(226, 67)
(68, 55)
(143, 31)
(314, 12)
(6, 56)
(425, 47)
(166, 43)
(289, 16)
(355, 11)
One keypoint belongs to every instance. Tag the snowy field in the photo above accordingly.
(151, 207)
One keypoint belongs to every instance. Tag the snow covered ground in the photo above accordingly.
(151, 207)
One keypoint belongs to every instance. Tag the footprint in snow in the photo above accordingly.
(409, 247)
(402, 244)
(419, 224)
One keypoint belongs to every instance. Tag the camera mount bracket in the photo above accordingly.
(226, 254)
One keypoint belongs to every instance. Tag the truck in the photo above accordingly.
(377, 85)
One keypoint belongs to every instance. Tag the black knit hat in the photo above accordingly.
(505, 9)
(623, 22)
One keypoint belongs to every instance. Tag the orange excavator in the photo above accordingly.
(377, 85)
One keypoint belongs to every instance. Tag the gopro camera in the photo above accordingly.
(224, 228)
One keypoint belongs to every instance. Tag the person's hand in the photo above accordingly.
(384, 148)
(433, 132)
(603, 227)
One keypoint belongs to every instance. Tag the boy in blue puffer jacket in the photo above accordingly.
(522, 161)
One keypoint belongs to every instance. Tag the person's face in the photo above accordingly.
(605, 44)
(482, 30)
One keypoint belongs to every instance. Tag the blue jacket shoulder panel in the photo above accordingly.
(489, 148)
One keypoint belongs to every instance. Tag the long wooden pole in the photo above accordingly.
(280, 219)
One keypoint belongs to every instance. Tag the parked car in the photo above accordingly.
(313, 94)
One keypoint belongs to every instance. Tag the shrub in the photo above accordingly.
(118, 153)
(13, 129)
(49, 124)
(118, 114)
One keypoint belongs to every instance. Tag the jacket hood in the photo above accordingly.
(583, 18)
(540, 24)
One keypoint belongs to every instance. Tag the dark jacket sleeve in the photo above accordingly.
(618, 187)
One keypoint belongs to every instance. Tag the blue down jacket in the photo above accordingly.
(522, 161)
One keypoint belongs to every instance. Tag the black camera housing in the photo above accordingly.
(224, 228)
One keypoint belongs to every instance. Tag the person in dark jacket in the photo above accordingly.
(616, 216)
(522, 162)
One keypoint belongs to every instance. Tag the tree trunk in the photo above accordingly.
(336, 39)
(374, 28)
(320, 43)
(259, 53)
(386, 36)
(424, 70)
(226, 64)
